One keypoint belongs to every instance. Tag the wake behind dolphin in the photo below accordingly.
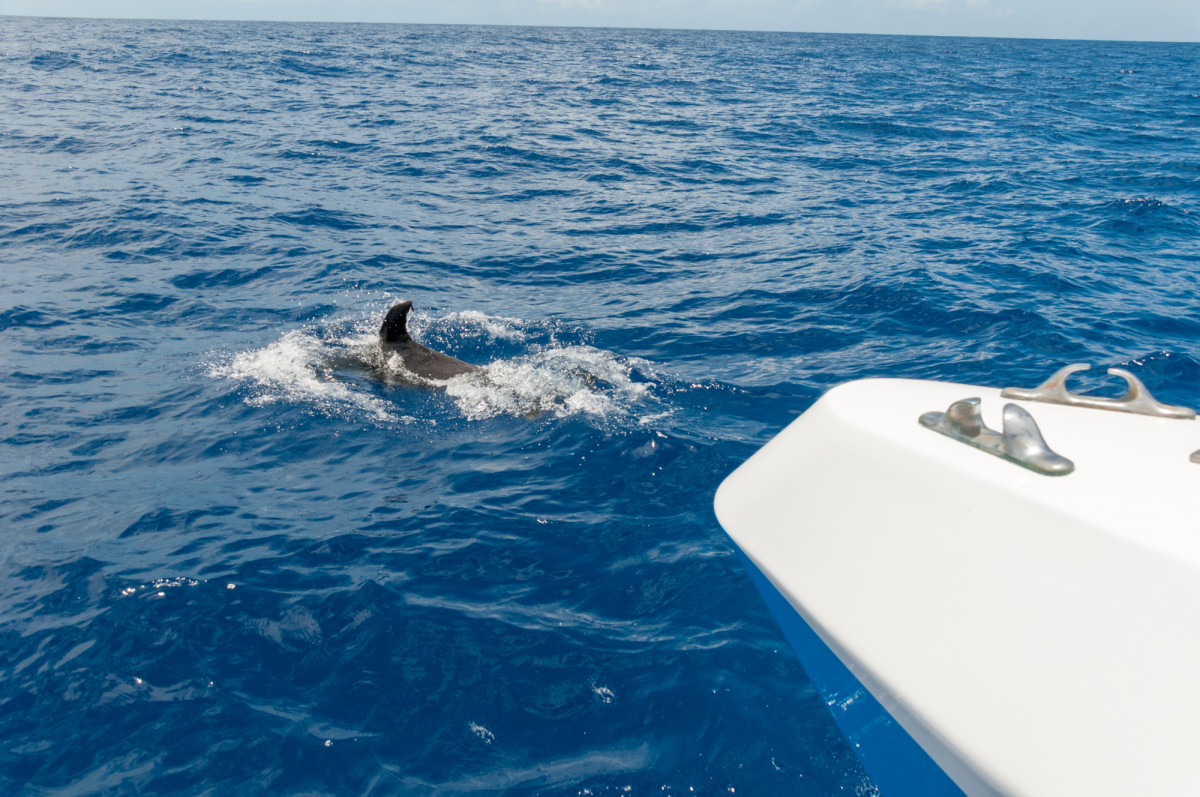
(420, 361)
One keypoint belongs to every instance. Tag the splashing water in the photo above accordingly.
(335, 372)
(496, 328)
(575, 380)
(295, 368)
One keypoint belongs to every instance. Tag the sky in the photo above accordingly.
(1122, 20)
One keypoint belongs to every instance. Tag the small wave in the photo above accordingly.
(1142, 206)
(317, 216)
(301, 67)
(22, 316)
(1141, 215)
(219, 278)
(54, 61)
(338, 144)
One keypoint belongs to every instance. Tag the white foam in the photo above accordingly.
(496, 327)
(574, 380)
(288, 370)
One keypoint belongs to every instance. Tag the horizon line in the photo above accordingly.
(592, 27)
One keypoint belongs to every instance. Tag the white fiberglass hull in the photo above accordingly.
(1036, 635)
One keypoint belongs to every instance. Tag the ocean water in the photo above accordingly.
(238, 556)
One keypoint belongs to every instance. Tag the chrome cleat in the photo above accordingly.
(1020, 442)
(1137, 398)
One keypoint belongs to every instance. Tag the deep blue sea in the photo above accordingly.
(237, 557)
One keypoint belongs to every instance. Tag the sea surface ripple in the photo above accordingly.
(237, 557)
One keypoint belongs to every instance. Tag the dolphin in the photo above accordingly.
(419, 360)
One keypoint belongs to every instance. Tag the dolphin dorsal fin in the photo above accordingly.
(395, 323)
